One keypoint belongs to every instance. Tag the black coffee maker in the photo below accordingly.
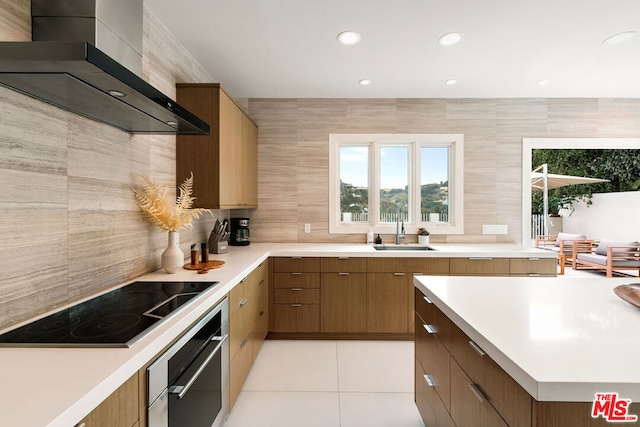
(239, 232)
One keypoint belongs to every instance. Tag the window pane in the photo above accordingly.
(394, 182)
(434, 184)
(354, 183)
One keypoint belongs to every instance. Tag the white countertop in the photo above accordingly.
(561, 339)
(59, 386)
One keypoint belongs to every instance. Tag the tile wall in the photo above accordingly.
(294, 154)
(69, 225)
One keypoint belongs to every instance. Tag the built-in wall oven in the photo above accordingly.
(188, 383)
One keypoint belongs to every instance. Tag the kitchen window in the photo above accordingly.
(371, 174)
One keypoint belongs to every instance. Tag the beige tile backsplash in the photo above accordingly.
(70, 227)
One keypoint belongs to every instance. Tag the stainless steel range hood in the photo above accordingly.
(69, 71)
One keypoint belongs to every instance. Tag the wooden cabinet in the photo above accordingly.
(532, 267)
(296, 294)
(248, 326)
(479, 266)
(469, 406)
(387, 302)
(481, 393)
(431, 408)
(224, 163)
(343, 296)
(120, 409)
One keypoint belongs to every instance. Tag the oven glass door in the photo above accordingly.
(196, 396)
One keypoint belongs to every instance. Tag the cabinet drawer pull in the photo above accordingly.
(243, 302)
(261, 282)
(296, 305)
(261, 313)
(477, 348)
(296, 289)
(343, 257)
(418, 274)
(429, 381)
(244, 342)
(296, 274)
(244, 279)
(343, 274)
(534, 274)
(480, 259)
(429, 329)
(474, 388)
(427, 299)
(296, 257)
(398, 274)
(534, 259)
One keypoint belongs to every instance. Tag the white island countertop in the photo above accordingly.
(561, 339)
(59, 386)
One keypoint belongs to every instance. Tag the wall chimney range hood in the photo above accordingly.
(70, 64)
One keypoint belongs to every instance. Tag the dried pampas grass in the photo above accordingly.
(152, 201)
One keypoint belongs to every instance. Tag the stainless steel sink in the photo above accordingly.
(403, 248)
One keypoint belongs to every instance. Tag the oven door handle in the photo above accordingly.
(181, 390)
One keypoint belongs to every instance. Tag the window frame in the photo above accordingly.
(455, 142)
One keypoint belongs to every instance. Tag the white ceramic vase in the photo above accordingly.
(423, 240)
(172, 258)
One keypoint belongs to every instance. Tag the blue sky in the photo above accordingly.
(393, 165)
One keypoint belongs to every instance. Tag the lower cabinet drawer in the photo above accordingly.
(296, 318)
(532, 266)
(239, 367)
(429, 405)
(435, 360)
(469, 406)
(296, 295)
(512, 402)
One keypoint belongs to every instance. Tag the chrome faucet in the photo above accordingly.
(399, 223)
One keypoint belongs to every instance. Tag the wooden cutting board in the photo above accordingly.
(209, 265)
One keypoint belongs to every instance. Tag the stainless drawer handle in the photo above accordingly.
(474, 388)
(261, 313)
(534, 259)
(296, 289)
(429, 381)
(343, 274)
(477, 348)
(427, 299)
(261, 282)
(296, 274)
(244, 280)
(243, 302)
(398, 274)
(296, 257)
(244, 342)
(343, 257)
(418, 274)
(429, 329)
(480, 259)
(296, 305)
(534, 274)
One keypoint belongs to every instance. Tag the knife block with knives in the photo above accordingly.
(219, 238)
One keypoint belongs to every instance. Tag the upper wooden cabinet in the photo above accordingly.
(225, 163)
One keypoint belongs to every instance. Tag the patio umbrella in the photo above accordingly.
(544, 181)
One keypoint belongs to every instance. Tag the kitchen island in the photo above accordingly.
(559, 341)
(59, 386)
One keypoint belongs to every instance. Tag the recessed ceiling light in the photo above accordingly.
(451, 82)
(620, 38)
(450, 39)
(365, 82)
(542, 82)
(116, 93)
(349, 38)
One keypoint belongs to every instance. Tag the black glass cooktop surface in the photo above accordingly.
(115, 319)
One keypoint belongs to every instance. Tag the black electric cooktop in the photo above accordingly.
(115, 319)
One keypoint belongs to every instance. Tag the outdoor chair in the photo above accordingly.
(562, 244)
(607, 255)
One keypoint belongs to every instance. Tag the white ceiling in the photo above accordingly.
(288, 48)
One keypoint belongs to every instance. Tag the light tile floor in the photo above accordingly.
(329, 384)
